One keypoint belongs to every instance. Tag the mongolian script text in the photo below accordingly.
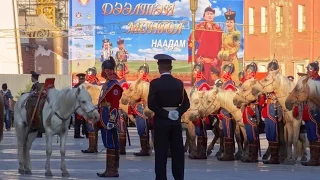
(140, 9)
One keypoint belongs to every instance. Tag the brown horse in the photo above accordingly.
(281, 86)
(1, 116)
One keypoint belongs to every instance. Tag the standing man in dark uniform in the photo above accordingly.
(78, 121)
(169, 101)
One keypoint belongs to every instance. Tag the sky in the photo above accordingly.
(139, 45)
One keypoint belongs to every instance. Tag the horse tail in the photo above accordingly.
(1, 117)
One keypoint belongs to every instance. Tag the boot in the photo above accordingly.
(274, 151)
(201, 148)
(144, 146)
(253, 153)
(314, 155)
(92, 143)
(112, 164)
(228, 150)
(123, 142)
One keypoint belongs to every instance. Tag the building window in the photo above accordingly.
(251, 20)
(264, 20)
(301, 18)
(279, 18)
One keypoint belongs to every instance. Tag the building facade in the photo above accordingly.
(286, 30)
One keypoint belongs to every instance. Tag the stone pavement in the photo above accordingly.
(84, 166)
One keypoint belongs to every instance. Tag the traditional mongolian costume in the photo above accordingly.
(200, 124)
(311, 116)
(272, 114)
(122, 54)
(106, 50)
(34, 94)
(79, 119)
(208, 37)
(121, 69)
(226, 118)
(108, 105)
(142, 123)
(230, 45)
(250, 117)
(91, 77)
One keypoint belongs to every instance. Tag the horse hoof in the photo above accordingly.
(65, 174)
(303, 159)
(48, 174)
(28, 171)
(21, 171)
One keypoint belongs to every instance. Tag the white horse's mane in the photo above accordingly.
(62, 99)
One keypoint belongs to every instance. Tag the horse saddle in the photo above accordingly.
(32, 106)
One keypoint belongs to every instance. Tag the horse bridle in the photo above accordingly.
(79, 106)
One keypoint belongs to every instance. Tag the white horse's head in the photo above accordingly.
(85, 107)
(244, 94)
(67, 101)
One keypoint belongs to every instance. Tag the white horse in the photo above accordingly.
(276, 83)
(56, 115)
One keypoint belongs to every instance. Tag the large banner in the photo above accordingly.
(134, 31)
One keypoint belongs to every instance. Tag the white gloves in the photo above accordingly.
(110, 126)
(173, 115)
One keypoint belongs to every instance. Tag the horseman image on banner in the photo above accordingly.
(106, 50)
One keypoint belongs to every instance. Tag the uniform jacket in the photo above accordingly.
(167, 91)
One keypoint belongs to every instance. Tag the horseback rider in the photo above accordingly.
(91, 76)
(271, 113)
(143, 124)
(34, 93)
(35, 83)
(201, 123)
(78, 121)
(225, 116)
(250, 119)
(311, 117)
(120, 70)
(110, 96)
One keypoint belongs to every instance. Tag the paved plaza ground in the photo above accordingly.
(84, 166)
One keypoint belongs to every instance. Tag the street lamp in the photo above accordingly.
(193, 9)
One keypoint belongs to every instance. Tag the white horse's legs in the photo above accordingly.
(27, 162)
(49, 137)
(20, 140)
(63, 140)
